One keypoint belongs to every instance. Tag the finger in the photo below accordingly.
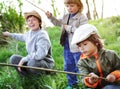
(90, 75)
(95, 79)
(19, 69)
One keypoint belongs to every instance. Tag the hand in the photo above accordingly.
(93, 78)
(6, 33)
(20, 64)
(48, 14)
(110, 78)
(65, 26)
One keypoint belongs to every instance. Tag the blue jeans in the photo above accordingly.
(111, 87)
(70, 65)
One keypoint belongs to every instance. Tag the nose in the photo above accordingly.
(82, 48)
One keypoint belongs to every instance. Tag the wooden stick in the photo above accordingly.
(45, 69)
(36, 6)
(38, 68)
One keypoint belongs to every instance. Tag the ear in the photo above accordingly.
(96, 44)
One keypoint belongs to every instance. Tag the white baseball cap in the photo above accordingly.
(83, 32)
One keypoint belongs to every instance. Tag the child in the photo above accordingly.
(95, 61)
(69, 23)
(38, 46)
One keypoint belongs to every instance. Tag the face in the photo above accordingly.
(33, 23)
(72, 8)
(88, 48)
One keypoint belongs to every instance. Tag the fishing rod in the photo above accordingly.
(45, 69)
(35, 6)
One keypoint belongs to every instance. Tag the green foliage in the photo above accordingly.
(20, 48)
(109, 30)
(57, 49)
(10, 20)
(55, 10)
(4, 54)
(9, 79)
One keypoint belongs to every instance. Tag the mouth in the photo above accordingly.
(85, 52)
(31, 25)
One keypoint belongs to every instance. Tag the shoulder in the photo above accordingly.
(82, 18)
(81, 15)
(65, 15)
(43, 33)
(109, 53)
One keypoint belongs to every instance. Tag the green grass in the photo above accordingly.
(109, 30)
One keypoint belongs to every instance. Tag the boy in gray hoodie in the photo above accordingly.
(38, 46)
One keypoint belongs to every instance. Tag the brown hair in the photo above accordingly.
(40, 21)
(96, 39)
(78, 2)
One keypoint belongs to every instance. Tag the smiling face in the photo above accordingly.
(33, 23)
(88, 48)
(72, 8)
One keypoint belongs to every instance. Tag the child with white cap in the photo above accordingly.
(38, 46)
(96, 62)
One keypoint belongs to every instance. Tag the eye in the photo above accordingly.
(71, 5)
(67, 5)
(28, 20)
(79, 45)
(85, 44)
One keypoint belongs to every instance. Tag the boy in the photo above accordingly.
(96, 61)
(38, 46)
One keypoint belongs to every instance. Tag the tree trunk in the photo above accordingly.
(95, 14)
(88, 12)
(102, 8)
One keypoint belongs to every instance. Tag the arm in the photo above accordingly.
(115, 74)
(16, 36)
(55, 21)
(91, 79)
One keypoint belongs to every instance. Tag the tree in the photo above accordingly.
(10, 19)
(55, 10)
(95, 14)
(88, 12)
(102, 8)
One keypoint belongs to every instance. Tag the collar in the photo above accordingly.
(83, 56)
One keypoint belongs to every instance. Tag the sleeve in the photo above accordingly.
(18, 36)
(56, 22)
(86, 81)
(82, 20)
(84, 70)
(115, 60)
(42, 47)
(116, 74)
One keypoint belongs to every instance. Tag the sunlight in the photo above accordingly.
(111, 8)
